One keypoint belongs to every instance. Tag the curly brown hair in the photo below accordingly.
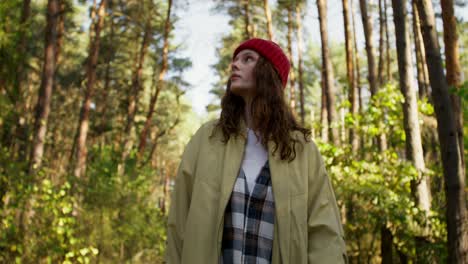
(271, 115)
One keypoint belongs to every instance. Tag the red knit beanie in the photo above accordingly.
(272, 52)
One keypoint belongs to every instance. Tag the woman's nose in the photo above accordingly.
(234, 65)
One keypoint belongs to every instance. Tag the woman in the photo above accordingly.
(252, 186)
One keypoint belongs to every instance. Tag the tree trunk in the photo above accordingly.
(382, 24)
(45, 90)
(356, 59)
(19, 149)
(60, 33)
(101, 108)
(160, 83)
(387, 43)
(423, 79)
(402, 257)
(166, 184)
(453, 70)
(373, 85)
(292, 76)
(52, 148)
(414, 150)
(83, 123)
(153, 101)
(133, 98)
(352, 86)
(92, 17)
(248, 26)
(152, 155)
(90, 32)
(271, 36)
(358, 70)
(299, 62)
(324, 113)
(447, 130)
(386, 247)
(21, 49)
(327, 73)
(367, 23)
(41, 115)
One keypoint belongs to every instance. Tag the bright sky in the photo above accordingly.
(200, 30)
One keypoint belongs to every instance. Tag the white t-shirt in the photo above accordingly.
(255, 156)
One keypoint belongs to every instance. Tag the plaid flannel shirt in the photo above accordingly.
(249, 221)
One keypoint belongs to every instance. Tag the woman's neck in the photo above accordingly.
(247, 113)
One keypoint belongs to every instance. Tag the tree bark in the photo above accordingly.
(45, 90)
(449, 146)
(133, 98)
(327, 73)
(83, 123)
(386, 247)
(299, 62)
(53, 148)
(22, 46)
(101, 108)
(92, 17)
(387, 45)
(247, 25)
(60, 32)
(373, 84)
(160, 83)
(453, 70)
(402, 257)
(159, 134)
(358, 69)
(324, 113)
(21, 125)
(167, 175)
(271, 36)
(423, 78)
(414, 150)
(382, 23)
(351, 80)
(367, 24)
(292, 76)
(153, 101)
(356, 60)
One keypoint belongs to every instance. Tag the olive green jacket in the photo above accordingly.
(307, 224)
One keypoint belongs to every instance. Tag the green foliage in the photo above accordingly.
(46, 228)
(56, 230)
(375, 187)
(377, 192)
(120, 210)
(382, 116)
(461, 91)
(425, 107)
(114, 212)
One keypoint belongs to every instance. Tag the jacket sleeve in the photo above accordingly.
(180, 201)
(325, 232)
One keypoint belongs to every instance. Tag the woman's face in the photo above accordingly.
(242, 73)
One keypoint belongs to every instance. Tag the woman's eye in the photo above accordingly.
(248, 58)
